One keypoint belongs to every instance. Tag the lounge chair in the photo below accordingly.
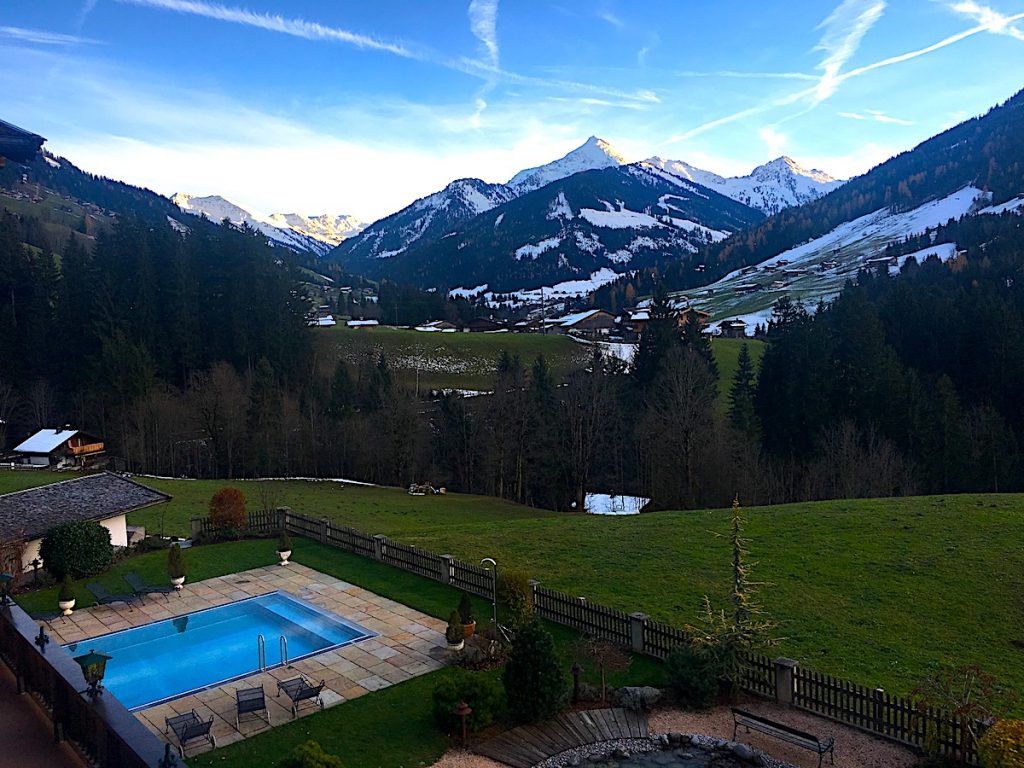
(298, 690)
(141, 589)
(250, 701)
(188, 728)
(105, 597)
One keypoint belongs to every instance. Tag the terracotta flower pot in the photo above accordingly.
(468, 630)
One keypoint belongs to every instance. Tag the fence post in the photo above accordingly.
(282, 517)
(876, 709)
(195, 527)
(324, 523)
(378, 546)
(533, 593)
(446, 568)
(637, 621)
(784, 680)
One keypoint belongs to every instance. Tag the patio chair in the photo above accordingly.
(105, 597)
(189, 727)
(250, 701)
(299, 690)
(141, 589)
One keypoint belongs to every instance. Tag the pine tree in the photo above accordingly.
(657, 340)
(700, 342)
(534, 682)
(742, 416)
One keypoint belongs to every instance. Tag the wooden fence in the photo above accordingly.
(869, 709)
(103, 730)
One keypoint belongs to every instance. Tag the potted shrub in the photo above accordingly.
(176, 566)
(284, 546)
(455, 635)
(66, 596)
(466, 616)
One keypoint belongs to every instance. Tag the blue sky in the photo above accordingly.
(356, 107)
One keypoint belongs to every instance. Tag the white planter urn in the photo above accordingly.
(66, 606)
(284, 555)
(456, 646)
(176, 583)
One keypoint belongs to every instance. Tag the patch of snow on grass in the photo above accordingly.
(621, 219)
(944, 251)
(532, 251)
(1016, 205)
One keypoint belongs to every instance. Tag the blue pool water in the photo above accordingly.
(170, 658)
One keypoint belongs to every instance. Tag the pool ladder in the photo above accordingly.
(261, 651)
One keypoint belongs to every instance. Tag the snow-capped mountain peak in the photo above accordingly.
(313, 234)
(778, 184)
(593, 154)
(327, 227)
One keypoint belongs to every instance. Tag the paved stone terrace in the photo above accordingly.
(409, 643)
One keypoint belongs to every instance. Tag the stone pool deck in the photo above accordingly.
(409, 644)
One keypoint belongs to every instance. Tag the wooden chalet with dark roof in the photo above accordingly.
(17, 144)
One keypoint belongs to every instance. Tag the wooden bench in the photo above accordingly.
(750, 721)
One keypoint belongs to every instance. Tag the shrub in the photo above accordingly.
(76, 549)
(516, 596)
(466, 614)
(67, 590)
(1002, 746)
(693, 677)
(284, 541)
(176, 567)
(482, 692)
(227, 510)
(534, 683)
(455, 632)
(311, 755)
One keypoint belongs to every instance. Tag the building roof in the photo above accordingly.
(45, 441)
(27, 515)
(17, 143)
(570, 320)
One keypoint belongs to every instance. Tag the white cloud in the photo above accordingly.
(274, 23)
(877, 115)
(774, 140)
(990, 19)
(42, 37)
(844, 30)
(483, 18)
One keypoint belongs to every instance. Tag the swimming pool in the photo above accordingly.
(171, 658)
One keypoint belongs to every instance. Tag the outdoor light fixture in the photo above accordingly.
(93, 665)
(462, 711)
(5, 587)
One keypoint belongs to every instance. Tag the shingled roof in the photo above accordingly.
(29, 514)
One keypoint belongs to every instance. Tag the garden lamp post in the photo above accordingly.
(5, 587)
(94, 666)
(463, 710)
(494, 589)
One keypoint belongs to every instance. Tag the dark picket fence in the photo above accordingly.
(869, 709)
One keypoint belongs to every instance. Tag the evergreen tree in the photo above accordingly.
(742, 416)
(659, 337)
(694, 338)
(535, 685)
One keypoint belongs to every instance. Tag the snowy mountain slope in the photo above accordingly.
(298, 233)
(427, 219)
(779, 184)
(326, 227)
(594, 154)
(818, 269)
(614, 219)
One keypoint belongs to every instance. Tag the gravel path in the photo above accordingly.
(854, 749)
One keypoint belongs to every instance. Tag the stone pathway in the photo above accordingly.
(408, 644)
(529, 745)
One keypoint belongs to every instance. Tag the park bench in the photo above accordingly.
(298, 690)
(750, 721)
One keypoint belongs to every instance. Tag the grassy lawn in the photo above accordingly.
(437, 360)
(875, 591)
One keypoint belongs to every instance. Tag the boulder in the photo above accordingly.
(639, 699)
(744, 752)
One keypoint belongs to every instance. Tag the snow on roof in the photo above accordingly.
(46, 440)
(570, 320)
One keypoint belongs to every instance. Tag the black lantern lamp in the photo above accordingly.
(6, 580)
(93, 665)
